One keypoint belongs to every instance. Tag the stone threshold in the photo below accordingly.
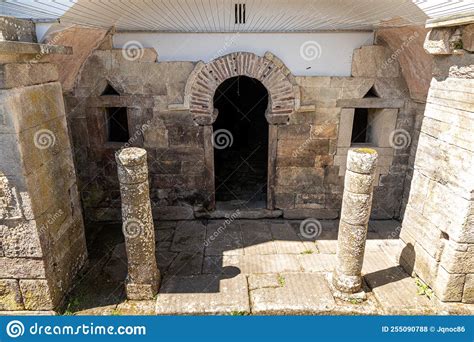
(239, 210)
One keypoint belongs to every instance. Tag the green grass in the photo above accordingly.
(281, 280)
(423, 289)
(116, 312)
(355, 300)
(72, 307)
(239, 313)
(308, 251)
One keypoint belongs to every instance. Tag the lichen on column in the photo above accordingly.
(355, 214)
(143, 275)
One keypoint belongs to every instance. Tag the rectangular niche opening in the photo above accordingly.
(117, 124)
(360, 126)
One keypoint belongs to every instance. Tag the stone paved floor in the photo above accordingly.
(251, 267)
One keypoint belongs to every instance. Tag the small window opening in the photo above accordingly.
(109, 90)
(117, 124)
(360, 126)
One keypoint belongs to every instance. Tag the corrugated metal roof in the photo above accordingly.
(219, 15)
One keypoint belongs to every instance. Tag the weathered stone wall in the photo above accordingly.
(13, 29)
(438, 231)
(42, 242)
(311, 144)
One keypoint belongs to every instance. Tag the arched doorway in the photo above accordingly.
(241, 142)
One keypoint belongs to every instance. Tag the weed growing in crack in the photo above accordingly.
(423, 289)
(281, 280)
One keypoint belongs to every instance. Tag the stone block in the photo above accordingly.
(203, 294)
(313, 82)
(299, 178)
(451, 116)
(458, 257)
(356, 87)
(324, 131)
(362, 160)
(16, 75)
(276, 294)
(419, 188)
(417, 228)
(449, 287)
(284, 200)
(356, 208)
(382, 123)
(437, 41)
(37, 295)
(297, 132)
(10, 296)
(11, 157)
(416, 261)
(391, 87)
(323, 214)
(156, 137)
(345, 127)
(315, 201)
(14, 29)
(468, 294)
(300, 152)
(395, 291)
(22, 105)
(358, 183)
(372, 61)
(468, 37)
(180, 135)
(21, 268)
(20, 239)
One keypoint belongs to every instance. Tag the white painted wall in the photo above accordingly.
(41, 29)
(305, 54)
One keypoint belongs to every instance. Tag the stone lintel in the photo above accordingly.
(25, 48)
(371, 103)
(121, 101)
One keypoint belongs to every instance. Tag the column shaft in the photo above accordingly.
(355, 214)
(143, 275)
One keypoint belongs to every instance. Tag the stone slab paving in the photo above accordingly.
(259, 267)
(203, 295)
(290, 294)
(394, 289)
(317, 262)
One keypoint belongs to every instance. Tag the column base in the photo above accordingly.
(142, 291)
(345, 283)
(358, 296)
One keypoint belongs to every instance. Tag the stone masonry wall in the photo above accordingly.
(311, 147)
(438, 232)
(42, 243)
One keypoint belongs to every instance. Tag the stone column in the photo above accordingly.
(355, 214)
(143, 275)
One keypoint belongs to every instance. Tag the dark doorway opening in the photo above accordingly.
(241, 142)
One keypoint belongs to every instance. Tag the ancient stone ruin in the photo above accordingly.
(317, 162)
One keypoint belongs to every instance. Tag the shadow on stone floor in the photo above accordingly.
(198, 257)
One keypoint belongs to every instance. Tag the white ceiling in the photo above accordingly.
(218, 15)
